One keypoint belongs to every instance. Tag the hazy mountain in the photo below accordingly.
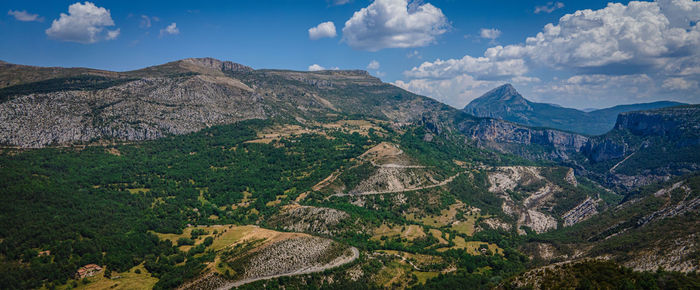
(506, 103)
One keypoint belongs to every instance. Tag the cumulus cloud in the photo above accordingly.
(25, 16)
(373, 65)
(675, 84)
(325, 29)
(316, 67)
(457, 91)
(482, 67)
(653, 41)
(84, 23)
(549, 8)
(394, 23)
(170, 30)
(490, 33)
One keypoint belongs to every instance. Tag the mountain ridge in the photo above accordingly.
(504, 102)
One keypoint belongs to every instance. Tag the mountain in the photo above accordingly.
(208, 174)
(506, 103)
(46, 106)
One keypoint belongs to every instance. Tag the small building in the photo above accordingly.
(88, 270)
(44, 253)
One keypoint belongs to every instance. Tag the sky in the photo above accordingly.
(581, 54)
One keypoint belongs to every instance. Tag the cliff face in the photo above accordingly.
(670, 122)
(606, 149)
(497, 133)
(46, 106)
(144, 109)
(676, 127)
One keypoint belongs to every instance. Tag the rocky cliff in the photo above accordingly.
(675, 122)
(499, 135)
(47, 106)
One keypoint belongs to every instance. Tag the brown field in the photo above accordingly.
(409, 232)
(472, 247)
(446, 217)
(129, 280)
(228, 235)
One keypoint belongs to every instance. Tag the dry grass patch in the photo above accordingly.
(409, 232)
(227, 235)
(473, 247)
(129, 280)
(138, 190)
(277, 132)
(446, 217)
(438, 235)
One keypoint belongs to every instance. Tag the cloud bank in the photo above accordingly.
(656, 42)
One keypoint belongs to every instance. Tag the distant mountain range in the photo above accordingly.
(507, 104)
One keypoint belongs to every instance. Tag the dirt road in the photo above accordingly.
(338, 262)
(446, 181)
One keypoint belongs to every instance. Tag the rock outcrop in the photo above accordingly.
(138, 110)
(310, 219)
(499, 134)
(581, 212)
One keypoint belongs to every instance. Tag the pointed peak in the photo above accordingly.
(502, 98)
(505, 92)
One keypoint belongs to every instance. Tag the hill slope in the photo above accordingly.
(506, 103)
(64, 106)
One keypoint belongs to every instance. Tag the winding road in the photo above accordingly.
(444, 182)
(309, 270)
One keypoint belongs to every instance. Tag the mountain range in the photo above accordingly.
(208, 174)
(506, 103)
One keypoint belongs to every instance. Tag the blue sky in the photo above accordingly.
(436, 48)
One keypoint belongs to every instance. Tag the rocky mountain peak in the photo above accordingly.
(505, 93)
(500, 100)
(212, 63)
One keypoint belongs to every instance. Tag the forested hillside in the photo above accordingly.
(202, 174)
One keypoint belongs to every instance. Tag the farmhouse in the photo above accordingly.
(88, 270)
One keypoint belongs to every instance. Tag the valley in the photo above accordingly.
(207, 174)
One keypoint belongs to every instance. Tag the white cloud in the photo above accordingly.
(325, 29)
(457, 91)
(618, 39)
(373, 65)
(339, 2)
(490, 33)
(147, 21)
(482, 67)
(84, 23)
(549, 8)
(394, 23)
(619, 45)
(679, 84)
(414, 53)
(112, 34)
(170, 30)
(25, 16)
(596, 90)
(316, 67)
